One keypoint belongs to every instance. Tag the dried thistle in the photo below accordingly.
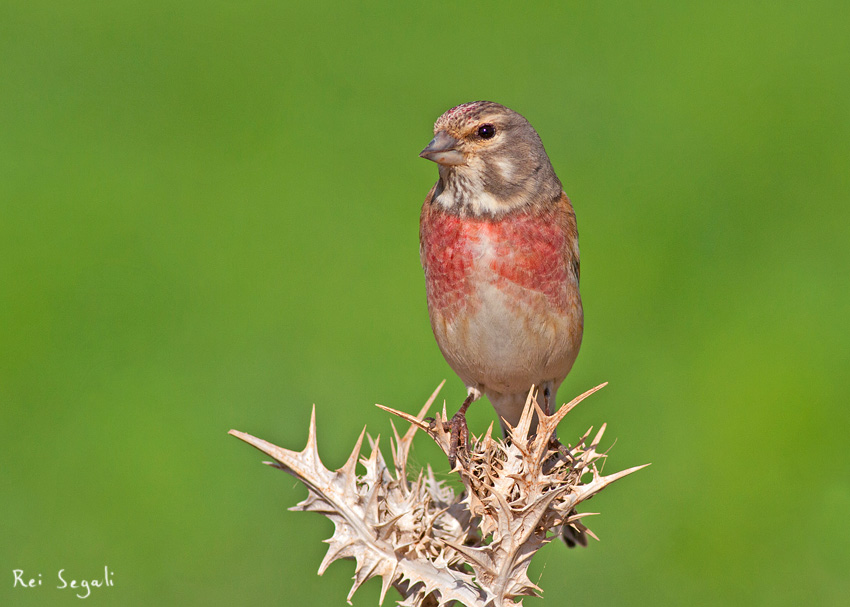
(437, 548)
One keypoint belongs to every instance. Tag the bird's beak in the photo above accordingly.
(443, 150)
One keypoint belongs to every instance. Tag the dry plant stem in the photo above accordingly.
(437, 548)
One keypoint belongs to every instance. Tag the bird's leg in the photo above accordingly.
(554, 443)
(459, 429)
(572, 534)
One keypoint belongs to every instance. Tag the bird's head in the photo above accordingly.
(491, 160)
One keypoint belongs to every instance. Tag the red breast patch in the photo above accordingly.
(527, 250)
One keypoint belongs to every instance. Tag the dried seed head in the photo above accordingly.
(435, 547)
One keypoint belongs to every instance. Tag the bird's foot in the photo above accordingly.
(559, 455)
(459, 439)
(459, 442)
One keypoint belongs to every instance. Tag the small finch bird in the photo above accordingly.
(499, 246)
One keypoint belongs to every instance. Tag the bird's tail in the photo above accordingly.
(574, 533)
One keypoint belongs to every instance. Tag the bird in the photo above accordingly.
(498, 243)
(499, 249)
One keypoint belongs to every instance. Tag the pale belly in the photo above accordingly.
(506, 338)
(503, 301)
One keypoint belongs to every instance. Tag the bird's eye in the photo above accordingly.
(486, 131)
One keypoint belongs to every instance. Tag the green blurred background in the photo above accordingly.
(209, 220)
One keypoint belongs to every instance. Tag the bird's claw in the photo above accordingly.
(458, 437)
(459, 441)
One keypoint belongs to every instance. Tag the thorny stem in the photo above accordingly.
(437, 548)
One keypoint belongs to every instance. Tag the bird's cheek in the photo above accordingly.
(504, 168)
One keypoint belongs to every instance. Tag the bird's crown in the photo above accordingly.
(466, 113)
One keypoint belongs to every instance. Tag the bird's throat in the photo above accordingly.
(463, 193)
(483, 192)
